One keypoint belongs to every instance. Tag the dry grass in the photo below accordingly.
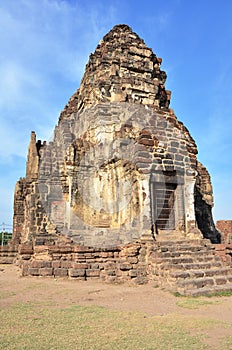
(35, 326)
(43, 314)
(195, 303)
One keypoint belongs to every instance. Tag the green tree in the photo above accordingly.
(5, 237)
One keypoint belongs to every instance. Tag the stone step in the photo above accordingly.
(7, 259)
(191, 248)
(201, 273)
(207, 290)
(7, 256)
(11, 254)
(173, 276)
(203, 282)
(195, 283)
(199, 243)
(188, 259)
(173, 254)
(190, 266)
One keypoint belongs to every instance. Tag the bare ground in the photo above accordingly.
(146, 299)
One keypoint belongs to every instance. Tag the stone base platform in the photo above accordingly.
(192, 267)
(189, 267)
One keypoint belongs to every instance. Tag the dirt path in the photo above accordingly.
(64, 292)
(146, 299)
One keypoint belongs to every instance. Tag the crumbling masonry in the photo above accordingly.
(119, 193)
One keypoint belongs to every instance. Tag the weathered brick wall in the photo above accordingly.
(225, 228)
(225, 252)
(136, 263)
(122, 69)
(82, 263)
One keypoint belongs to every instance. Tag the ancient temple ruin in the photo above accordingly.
(120, 179)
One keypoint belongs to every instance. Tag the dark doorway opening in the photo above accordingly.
(163, 205)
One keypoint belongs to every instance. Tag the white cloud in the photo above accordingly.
(15, 79)
(6, 205)
(163, 19)
(44, 48)
(222, 197)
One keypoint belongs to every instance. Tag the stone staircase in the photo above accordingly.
(190, 267)
(7, 254)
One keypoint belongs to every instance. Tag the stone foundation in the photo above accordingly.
(8, 254)
(190, 267)
(117, 264)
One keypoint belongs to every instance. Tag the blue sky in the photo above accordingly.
(44, 48)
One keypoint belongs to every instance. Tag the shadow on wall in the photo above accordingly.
(204, 218)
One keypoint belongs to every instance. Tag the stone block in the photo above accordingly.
(94, 266)
(111, 272)
(77, 265)
(56, 263)
(65, 248)
(144, 154)
(125, 266)
(133, 273)
(25, 249)
(6, 260)
(111, 279)
(146, 142)
(140, 280)
(209, 273)
(76, 272)
(33, 271)
(143, 165)
(40, 263)
(133, 260)
(175, 144)
(60, 272)
(220, 280)
(104, 254)
(220, 248)
(66, 264)
(142, 270)
(202, 282)
(199, 274)
(143, 160)
(92, 273)
(178, 157)
(46, 271)
(110, 265)
(229, 278)
(162, 124)
(180, 275)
